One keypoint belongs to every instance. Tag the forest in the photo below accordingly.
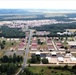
(56, 27)
(10, 64)
(11, 32)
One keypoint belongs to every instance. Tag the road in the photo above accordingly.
(26, 54)
(63, 64)
(54, 45)
(51, 64)
(26, 51)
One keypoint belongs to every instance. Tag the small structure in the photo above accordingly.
(21, 46)
(72, 44)
(68, 55)
(38, 53)
(73, 58)
(53, 53)
(49, 58)
(49, 42)
(60, 59)
(50, 47)
(34, 46)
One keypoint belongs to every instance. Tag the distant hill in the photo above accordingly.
(34, 11)
(12, 11)
(36, 14)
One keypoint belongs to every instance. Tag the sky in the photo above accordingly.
(38, 4)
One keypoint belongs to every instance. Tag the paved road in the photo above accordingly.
(54, 45)
(51, 64)
(19, 71)
(26, 54)
(26, 51)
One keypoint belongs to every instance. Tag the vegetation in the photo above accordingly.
(45, 61)
(11, 32)
(11, 59)
(56, 27)
(10, 44)
(8, 68)
(58, 70)
(39, 42)
(53, 28)
(2, 44)
(35, 59)
(10, 65)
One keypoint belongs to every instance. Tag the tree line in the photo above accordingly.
(10, 64)
(56, 27)
(8, 68)
(11, 59)
(2, 44)
(11, 32)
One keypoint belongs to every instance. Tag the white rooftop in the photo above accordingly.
(71, 42)
(37, 53)
(49, 58)
(60, 59)
(53, 53)
(73, 59)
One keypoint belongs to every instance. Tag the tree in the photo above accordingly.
(4, 74)
(18, 59)
(8, 68)
(33, 58)
(66, 67)
(14, 58)
(29, 65)
(3, 42)
(2, 46)
(39, 41)
(66, 47)
(38, 58)
(11, 68)
(12, 43)
(74, 67)
(45, 61)
(10, 59)
(4, 59)
(61, 38)
(66, 37)
(22, 73)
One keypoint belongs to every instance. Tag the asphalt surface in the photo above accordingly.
(26, 54)
(26, 51)
(54, 45)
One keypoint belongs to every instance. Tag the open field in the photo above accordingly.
(49, 71)
(74, 54)
(10, 45)
(1, 53)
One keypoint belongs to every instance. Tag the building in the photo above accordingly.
(72, 44)
(34, 46)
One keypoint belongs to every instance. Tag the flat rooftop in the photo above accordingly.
(71, 42)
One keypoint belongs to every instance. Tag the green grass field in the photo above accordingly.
(49, 71)
(9, 45)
